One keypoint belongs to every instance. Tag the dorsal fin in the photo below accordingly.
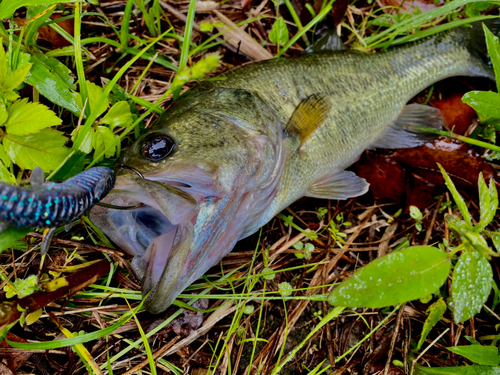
(329, 42)
(309, 115)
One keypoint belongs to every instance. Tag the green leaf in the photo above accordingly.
(435, 311)
(8, 7)
(10, 236)
(95, 93)
(118, 115)
(53, 80)
(22, 287)
(15, 78)
(279, 32)
(71, 168)
(33, 26)
(493, 45)
(471, 285)
(5, 175)
(398, 277)
(488, 201)
(482, 355)
(415, 213)
(102, 139)
(3, 113)
(45, 149)
(28, 118)
(462, 370)
(486, 104)
(456, 196)
(3, 63)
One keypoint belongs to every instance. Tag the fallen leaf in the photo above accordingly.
(387, 177)
(240, 39)
(457, 115)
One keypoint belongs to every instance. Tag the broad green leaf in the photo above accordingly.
(398, 277)
(102, 139)
(456, 196)
(86, 145)
(471, 285)
(15, 78)
(3, 64)
(279, 32)
(118, 115)
(95, 93)
(45, 149)
(5, 175)
(488, 201)
(22, 287)
(460, 370)
(493, 45)
(486, 104)
(482, 355)
(3, 113)
(10, 236)
(4, 158)
(435, 311)
(71, 168)
(53, 80)
(28, 118)
(8, 7)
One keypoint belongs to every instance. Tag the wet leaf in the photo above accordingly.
(387, 177)
(493, 45)
(488, 201)
(71, 168)
(471, 285)
(398, 277)
(94, 93)
(486, 104)
(45, 149)
(118, 115)
(279, 33)
(457, 115)
(482, 355)
(28, 118)
(15, 78)
(53, 80)
(10, 236)
(102, 139)
(436, 312)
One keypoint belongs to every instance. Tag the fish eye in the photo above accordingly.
(157, 147)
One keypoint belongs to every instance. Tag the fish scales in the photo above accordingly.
(231, 153)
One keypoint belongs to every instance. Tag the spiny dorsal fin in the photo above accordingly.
(309, 115)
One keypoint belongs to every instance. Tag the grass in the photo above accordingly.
(253, 327)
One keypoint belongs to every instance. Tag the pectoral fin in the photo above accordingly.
(309, 115)
(341, 185)
(329, 42)
(399, 134)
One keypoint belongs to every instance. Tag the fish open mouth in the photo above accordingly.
(158, 234)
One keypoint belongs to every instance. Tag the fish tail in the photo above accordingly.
(474, 38)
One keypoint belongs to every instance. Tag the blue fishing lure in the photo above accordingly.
(50, 204)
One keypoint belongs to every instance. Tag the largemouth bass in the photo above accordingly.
(231, 154)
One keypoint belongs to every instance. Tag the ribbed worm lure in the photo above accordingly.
(50, 204)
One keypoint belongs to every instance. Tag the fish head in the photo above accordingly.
(209, 173)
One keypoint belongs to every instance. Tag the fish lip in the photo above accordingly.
(130, 191)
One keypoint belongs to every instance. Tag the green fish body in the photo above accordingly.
(232, 153)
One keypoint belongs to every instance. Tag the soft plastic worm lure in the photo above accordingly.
(51, 204)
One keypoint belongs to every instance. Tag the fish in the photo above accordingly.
(231, 153)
